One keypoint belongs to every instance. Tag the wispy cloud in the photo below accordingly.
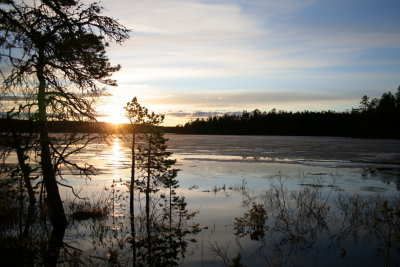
(319, 52)
(182, 39)
(223, 98)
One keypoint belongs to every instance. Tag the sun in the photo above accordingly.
(112, 112)
(115, 116)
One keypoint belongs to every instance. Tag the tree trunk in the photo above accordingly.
(55, 244)
(54, 203)
(132, 185)
(132, 198)
(26, 171)
(148, 228)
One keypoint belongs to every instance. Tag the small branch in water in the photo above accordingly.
(73, 191)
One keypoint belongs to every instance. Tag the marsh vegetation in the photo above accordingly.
(221, 209)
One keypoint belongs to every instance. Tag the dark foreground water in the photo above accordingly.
(258, 201)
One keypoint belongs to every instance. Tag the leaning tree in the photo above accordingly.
(53, 53)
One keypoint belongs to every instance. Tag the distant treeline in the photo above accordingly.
(10, 125)
(375, 118)
(13, 125)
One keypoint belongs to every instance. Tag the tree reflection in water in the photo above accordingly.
(100, 231)
(316, 223)
(158, 242)
(156, 234)
(157, 231)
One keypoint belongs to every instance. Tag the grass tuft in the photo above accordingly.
(85, 211)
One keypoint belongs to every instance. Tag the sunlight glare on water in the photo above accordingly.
(216, 173)
(115, 156)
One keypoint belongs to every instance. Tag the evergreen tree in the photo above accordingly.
(387, 103)
(364, 103)
(159, 242)
(398, 98)
(54, 53)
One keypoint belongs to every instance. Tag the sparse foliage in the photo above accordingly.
(53, 53)
(162, 229)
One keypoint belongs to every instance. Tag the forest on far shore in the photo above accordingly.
(374, 118)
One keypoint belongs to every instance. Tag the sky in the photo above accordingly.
(195, 58)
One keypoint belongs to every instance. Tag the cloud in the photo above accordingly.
(227, 98)
(184, 39)
(182, 18)
(199, 114)
(179, 114)
(290, 52)
(174, 40)
(202, 114)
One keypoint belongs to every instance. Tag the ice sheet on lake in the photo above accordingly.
(326, 151)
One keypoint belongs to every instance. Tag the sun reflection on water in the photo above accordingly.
(114, 156)
(117, 153)
(116, 148)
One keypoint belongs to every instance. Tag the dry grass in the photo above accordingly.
(86, 210)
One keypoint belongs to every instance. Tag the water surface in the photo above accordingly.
(223, 176)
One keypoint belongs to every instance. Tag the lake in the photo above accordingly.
(259, 200)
